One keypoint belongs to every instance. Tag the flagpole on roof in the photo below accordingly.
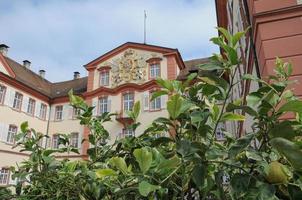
(145, 18)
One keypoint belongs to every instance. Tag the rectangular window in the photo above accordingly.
(128, 132)
(74, 140)
(103, 105)
(55, 141)
(75, 113)
(2, 93)
(43, 111)
(104, 78)
(18, 101)
(154, 70)
(31, 106)
(12, 131)
(4, 176)
(155, 104)
(219, 132)
(59, 113)
(128, 101)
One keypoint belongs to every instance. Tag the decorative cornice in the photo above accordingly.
(120, 89)
(106, 56)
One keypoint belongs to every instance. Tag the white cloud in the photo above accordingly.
(62, 35)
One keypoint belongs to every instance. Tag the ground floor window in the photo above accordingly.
(4, 176)
(12, 131)
(74, 140)
(127, 132)
(219, 131)
(55, 141)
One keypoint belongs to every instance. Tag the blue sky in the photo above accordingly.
(61, 36)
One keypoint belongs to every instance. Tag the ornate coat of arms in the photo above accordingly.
(130, 67)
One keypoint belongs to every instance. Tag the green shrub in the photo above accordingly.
(263, 164)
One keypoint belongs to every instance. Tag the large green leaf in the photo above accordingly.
(165, 84)
(285, 129)
(177, 105)
(231, 107)
(213, 65)
(101, 173)
(290, 150)
(145, 188)
(170, 163)
(291, 106)
(144, 158)
(228, 116)
(119, 163)
(199, 175)
(240, 144)
(240, 184)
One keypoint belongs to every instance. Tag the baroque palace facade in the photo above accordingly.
(115, 81)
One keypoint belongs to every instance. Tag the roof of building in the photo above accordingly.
(191, 67)
(47, 88)
(79, 85)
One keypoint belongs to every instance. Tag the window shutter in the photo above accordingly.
(3, 132)
(37, 108)
(11, 181)
(70, 114)
(25, 103)
(146, 101)
(65, 112)
(94, 104)
(52, 112)
(11, 97)
(7, 97)
(47, 111)
(163, 101)
(109, 105)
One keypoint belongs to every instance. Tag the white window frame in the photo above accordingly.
(128, 132)
(74, 139)
(12, 131)
(128, 101)
(17, 101)
(103, 105)
(59, 113)
(43, 111)
(155, 104)
(4, 176)
(154, 70)
(2, 93)
(31, 106)
(104, 78)
(55, 141)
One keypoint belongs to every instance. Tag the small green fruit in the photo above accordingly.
(276, 173)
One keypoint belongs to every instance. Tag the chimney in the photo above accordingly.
(4, 49)
(76, 75)
(42, 73)
(26, 64)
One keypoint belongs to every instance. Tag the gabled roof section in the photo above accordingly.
(192, 66)
(43, 86)
(165, 50)
(6, 66)
(61, 89)
(29, 78)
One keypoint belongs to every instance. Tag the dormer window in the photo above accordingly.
(104, 77)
